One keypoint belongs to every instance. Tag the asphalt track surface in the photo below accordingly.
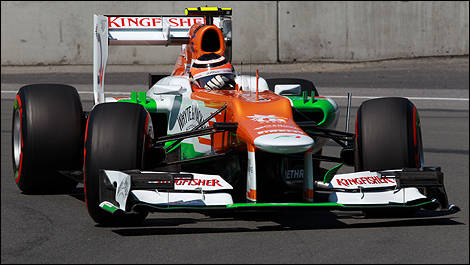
(57, 228)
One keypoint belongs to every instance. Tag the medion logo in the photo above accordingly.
(152, 22)
(189, 114)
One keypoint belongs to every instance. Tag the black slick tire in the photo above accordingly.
(116, 138)
(388, 135)
(47, 136)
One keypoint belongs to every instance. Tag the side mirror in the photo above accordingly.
(294, 89)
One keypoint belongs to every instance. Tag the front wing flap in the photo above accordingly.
(122, 190)
(133, 190)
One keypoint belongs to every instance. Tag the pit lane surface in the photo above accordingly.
(57, 228)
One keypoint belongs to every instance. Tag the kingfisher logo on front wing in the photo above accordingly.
(198, 182)
(365, 179)
(362, 180)
(202, 182)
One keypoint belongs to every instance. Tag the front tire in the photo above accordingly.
(117, 135)
(388, 135)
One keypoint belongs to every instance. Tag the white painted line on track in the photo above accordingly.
(359, 97)
(414, 98)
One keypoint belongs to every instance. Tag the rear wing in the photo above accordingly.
(149, 30)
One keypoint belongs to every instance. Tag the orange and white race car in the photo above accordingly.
(207, 138)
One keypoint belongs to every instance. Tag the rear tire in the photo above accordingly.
(117, 136)
(47, 136)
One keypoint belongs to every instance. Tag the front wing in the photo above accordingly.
(130, 191)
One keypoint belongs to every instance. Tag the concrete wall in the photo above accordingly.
(62, 32)
(263, 32)
(363, 30)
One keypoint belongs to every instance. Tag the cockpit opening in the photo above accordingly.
(210, 41)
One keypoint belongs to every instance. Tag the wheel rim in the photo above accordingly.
(17, 139)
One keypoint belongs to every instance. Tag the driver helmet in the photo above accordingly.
(212, 72)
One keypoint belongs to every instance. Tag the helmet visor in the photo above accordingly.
(202, 82)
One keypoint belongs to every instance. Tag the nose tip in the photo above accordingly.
(284, 143)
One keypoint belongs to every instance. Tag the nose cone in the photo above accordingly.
(284, 143)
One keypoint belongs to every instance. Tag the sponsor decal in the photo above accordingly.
(152, 22)
(277, 126)
(362, 180)
(198, 182)
(123, 190)
(286, 136)
(190, 114)
(294, 174)
(267, 118)
(280, 131)
(251, 194)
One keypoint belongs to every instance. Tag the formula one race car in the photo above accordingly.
(206, 138)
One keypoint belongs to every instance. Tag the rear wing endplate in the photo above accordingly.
(145, 30)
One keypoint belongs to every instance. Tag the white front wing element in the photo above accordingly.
(364, 197)
(182, 199)
(186, 192)
(123, 186)
(370, 188)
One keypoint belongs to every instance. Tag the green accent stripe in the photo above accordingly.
(108, 208)
(323, 105)
(290, 205)
(140, 97)
(237, 205)
(167, 144)
(331, 173)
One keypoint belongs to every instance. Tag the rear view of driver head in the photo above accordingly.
(213, 72)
